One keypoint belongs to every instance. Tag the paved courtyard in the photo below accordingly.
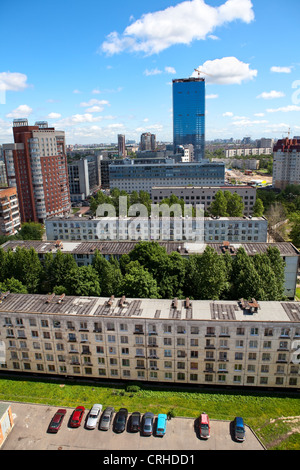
(31, 424)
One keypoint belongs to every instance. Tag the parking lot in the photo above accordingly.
(31, 424)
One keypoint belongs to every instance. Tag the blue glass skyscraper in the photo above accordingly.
(189, 114)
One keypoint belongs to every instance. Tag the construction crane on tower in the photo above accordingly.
(201, 71)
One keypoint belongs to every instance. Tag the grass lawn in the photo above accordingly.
(265, 412)
(298, 292)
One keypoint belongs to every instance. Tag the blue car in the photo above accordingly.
(239, 429)
(161, 425)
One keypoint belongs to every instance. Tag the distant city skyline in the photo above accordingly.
(103, 69)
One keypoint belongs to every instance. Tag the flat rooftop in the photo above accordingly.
(228, 186)
(124, 247)
(162, 309)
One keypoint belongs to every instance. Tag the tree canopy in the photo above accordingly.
(148, 271)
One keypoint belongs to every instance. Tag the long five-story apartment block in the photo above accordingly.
(253, 344)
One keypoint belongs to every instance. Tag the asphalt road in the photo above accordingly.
(31, 424)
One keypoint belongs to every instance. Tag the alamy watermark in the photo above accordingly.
(296, 94)
(171, 223)
(295, 359)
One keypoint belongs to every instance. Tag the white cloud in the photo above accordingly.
(259, 114)
(212, 97)
(149, 73)
(281, 69)
(76, 92)
(21, 111)
(180, 24)
(78, 119)
(96, 92)
(95, 109)
(156, 71)
(94, 102)
(226, 71)
(284, 109)
(228, 114)
(271, 95)
(13, 81)
(170, 70)
(54, 116)
(248, 122)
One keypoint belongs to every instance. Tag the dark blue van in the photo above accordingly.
(239, 429)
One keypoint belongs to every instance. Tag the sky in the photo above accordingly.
(96, 69)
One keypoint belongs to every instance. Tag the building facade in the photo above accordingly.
(36, 164)
(201, 229)
(205, 195)
(128, 176)
(148, 142)
(121, 146)
(84, 177)
(10, 221)
(286, 167)
(189, 115)
(220, 343)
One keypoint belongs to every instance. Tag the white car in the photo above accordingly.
(93, 416)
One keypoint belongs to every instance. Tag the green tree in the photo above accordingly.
(206, 275)
(235, 205)
(268, 282)
(109, 274)
(83, 281)
(295, 232)
(138, 282)
(31, 231)
(25, 266)
(258, 208)
(167, 270)
(278, 267)
(246, 282)
(57, 267)
(219, 206)
(13, 285)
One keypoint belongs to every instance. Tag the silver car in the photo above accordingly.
(106, 418)
(93, 416)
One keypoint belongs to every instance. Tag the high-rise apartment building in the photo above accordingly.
(121, 145)
(286, 168)
(189, 114)
(148, 141)
(37, 165)
(10, 221)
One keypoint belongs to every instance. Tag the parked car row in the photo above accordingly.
(238, 427)
(144, 424)
(136, 422)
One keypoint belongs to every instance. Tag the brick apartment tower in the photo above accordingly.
(37, 165)
(286, 164)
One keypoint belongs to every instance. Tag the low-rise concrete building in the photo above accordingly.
(206, 194)
(223, 343)
(206, 229)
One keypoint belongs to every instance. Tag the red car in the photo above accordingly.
(57, 420)
(76, 417)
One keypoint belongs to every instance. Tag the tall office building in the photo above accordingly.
(189, 115)
(37, 165)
